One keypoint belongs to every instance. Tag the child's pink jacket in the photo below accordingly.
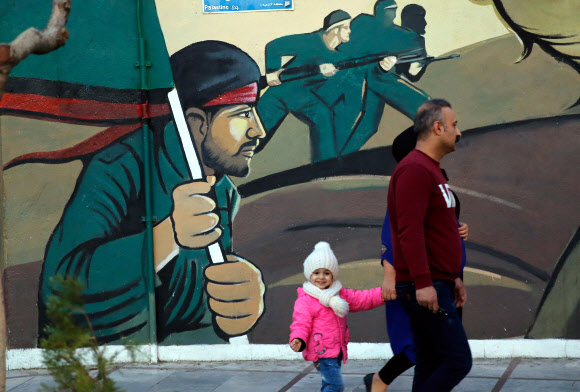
(324, 333)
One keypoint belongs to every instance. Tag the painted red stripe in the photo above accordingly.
(79, 108)
(90, 145)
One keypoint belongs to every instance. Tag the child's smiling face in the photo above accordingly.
(321, 278)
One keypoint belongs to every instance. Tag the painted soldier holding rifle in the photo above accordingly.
(313, 54)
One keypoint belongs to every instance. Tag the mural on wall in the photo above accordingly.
(330, 104)
(100, 238)
(551, 26)
(337, 79)
(226, 131)
(501, 162)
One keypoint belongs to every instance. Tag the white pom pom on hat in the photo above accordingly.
(321, 257)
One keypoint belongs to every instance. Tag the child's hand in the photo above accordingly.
(388, 288)
(388, 291)
(295, 344)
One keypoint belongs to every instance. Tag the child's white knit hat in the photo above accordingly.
(321, 257)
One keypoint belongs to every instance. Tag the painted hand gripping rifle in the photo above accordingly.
(403, 56)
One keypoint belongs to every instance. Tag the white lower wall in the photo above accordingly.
(505, 348)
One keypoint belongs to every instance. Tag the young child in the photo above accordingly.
(319, 327)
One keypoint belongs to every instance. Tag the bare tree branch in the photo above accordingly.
(33, 41)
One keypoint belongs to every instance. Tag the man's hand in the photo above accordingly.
(194, 222)
(427, 296)
(236, 294)
(328, 69)
(388, 291)
(463, 230)
(273, 78)
(460, 293)
(388, 62)
(295, 344)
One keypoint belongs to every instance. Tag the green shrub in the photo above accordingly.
(71, 344)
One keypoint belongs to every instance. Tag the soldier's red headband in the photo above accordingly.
(246, 94)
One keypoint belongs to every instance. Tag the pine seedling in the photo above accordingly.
(71, 341)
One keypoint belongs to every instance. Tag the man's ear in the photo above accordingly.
(198, 124)
(438, 128)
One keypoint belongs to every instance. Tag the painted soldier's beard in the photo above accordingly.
(219, 160)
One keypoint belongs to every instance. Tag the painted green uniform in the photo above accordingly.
(340, 118)
(370, 35)
(100, 240)
(302, 98)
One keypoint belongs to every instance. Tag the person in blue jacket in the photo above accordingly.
(398, 324)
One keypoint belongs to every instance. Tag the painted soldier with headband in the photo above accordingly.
(218, 88)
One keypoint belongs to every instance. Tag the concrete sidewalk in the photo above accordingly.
(506, 375)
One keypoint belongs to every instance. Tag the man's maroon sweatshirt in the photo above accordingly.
(426, 243)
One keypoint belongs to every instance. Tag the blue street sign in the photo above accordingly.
(220, 6)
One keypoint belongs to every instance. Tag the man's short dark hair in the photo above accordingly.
(427, 114)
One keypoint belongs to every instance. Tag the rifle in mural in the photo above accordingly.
(426, 60)
(403, 56)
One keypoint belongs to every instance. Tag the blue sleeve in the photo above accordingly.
(387, 245)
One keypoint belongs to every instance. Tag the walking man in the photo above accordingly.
(427, 252)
